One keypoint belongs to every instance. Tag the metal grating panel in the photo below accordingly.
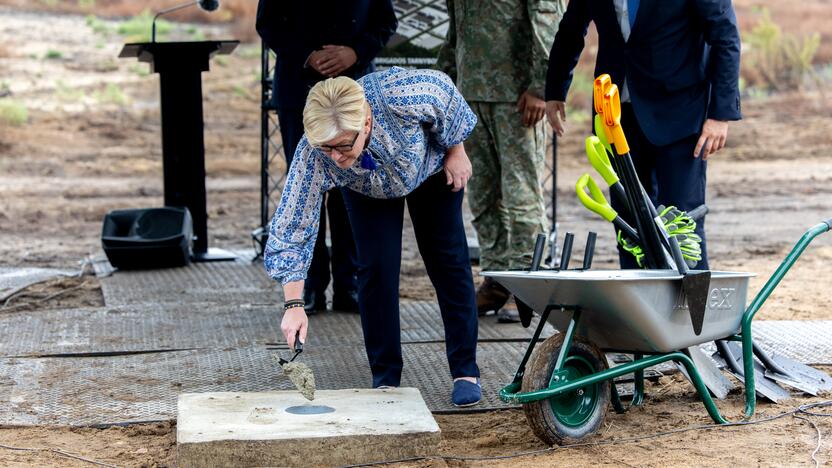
(238, 282)
(808, 342)
(136, 328)
(141, 387)
(154, 327)
(123, 389)
(243, 282)
(15, 279)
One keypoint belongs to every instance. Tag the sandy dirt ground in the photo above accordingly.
(91, 144)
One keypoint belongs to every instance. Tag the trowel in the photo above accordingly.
(300, 374)
(298, 350)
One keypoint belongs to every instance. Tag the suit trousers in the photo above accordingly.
(436, 213)
(343, 247)
(670, 175)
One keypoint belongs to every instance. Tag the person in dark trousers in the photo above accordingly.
(392, 138)
(315, 40)
(676, 63)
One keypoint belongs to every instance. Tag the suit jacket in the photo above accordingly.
(681, 61)
(293, 29)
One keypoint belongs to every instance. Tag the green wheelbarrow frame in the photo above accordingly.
(560, 383)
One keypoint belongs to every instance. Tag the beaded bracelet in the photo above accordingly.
(292, 304)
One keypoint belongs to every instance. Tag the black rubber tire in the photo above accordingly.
(540, 414)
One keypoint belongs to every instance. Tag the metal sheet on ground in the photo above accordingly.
(244, 282)
(808, 342)
(155, 327)
(137, 328)
(237, 282)
(15, 279)
(133, 388)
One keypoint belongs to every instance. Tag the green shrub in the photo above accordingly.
(13, 112)
(111, 94)
(67, 93)
(53, 54)
(97, 26)
(776, 60)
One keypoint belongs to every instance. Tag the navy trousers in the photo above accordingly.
(670, 175)
(343, 247)
(436, 213)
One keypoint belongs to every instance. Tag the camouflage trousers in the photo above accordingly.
(504, 193)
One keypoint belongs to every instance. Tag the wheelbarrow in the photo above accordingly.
(568, 386)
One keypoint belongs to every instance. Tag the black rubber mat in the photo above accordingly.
(144, 387)
(169, 326)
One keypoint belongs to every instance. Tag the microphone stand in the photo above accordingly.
(165, 11)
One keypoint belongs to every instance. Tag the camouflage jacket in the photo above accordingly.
(497, 49)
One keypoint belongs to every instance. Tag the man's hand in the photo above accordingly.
(332, 60)
(556, 113)
(457, 167)
(713, 137)
(531, 108)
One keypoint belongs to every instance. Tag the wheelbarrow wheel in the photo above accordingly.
(574, 415)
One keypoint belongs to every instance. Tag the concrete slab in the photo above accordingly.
(255, 429)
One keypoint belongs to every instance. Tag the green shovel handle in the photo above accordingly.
(594, 201)
(601, 131)
(600, 160)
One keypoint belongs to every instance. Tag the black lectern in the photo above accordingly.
(179, 65)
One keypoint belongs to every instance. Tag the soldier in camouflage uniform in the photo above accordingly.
(497, 53)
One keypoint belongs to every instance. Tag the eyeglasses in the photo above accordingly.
(340, 148)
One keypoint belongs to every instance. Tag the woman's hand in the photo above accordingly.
(457, 167)
(295, 318)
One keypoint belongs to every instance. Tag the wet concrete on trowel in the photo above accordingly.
(301, 375)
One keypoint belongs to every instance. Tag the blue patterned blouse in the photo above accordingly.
(417, 116)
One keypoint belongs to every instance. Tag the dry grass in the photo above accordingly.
(804, 17)
(798, 18)
(240, 13)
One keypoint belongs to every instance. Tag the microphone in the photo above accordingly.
(206, 5)
(209, 5)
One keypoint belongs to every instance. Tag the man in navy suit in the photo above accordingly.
(676, 63)
(315, 40)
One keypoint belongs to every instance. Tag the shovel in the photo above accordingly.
(765, 387)
(595, 202)
(695, 284)
(794, 374)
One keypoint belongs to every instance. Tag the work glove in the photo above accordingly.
(634, 249)
(678, 224)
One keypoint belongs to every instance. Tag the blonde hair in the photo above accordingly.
(333, 106)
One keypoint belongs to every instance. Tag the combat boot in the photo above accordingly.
(491, 295)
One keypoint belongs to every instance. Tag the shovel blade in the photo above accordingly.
(696, 285)
(800, 376)
(712, 377)
(764, 386)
